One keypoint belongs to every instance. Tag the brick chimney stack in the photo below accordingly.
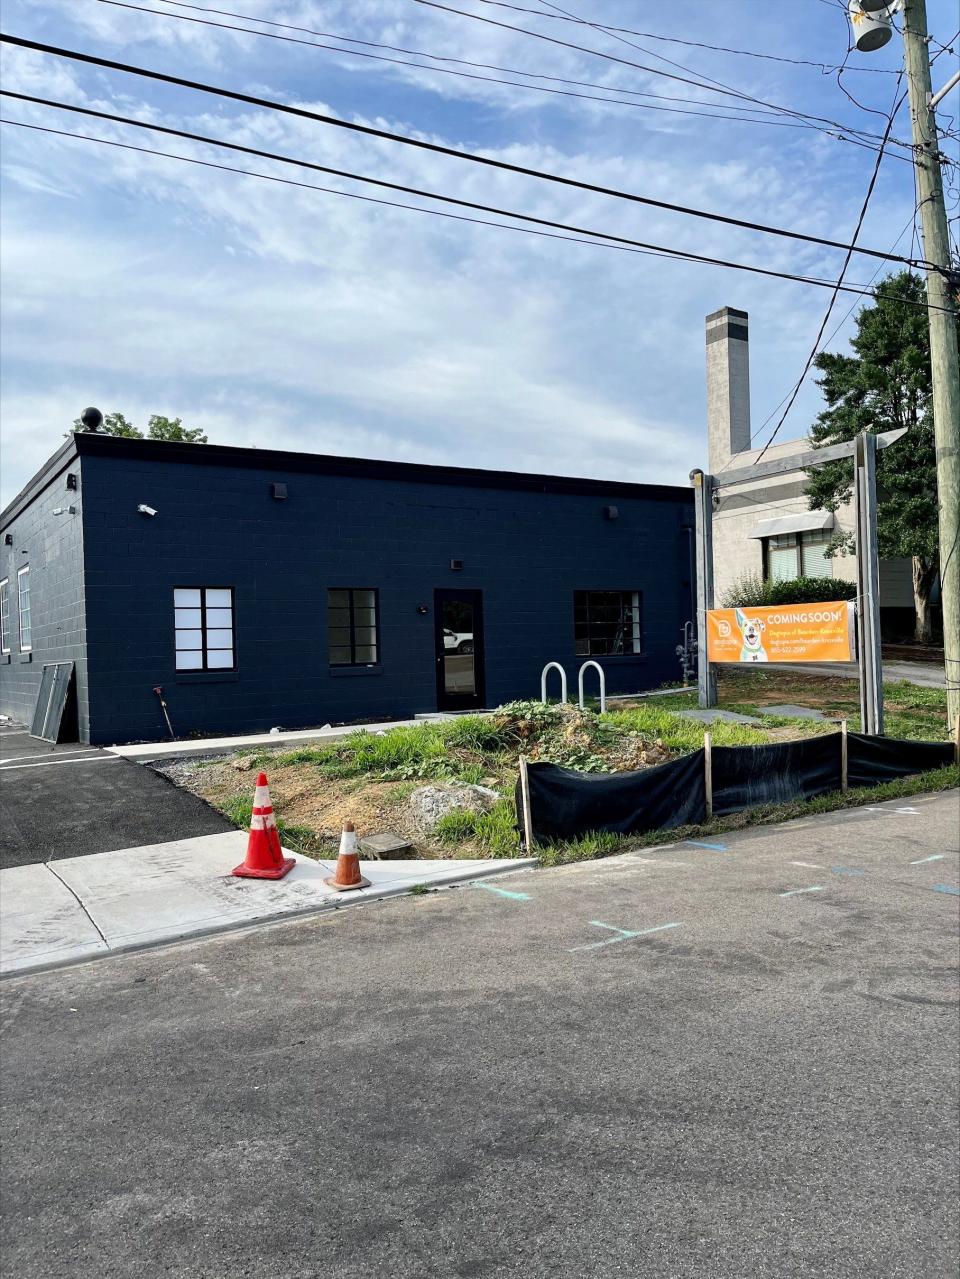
(728, 385)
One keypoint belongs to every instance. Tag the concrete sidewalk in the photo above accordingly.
(52, 914)
(158, 752)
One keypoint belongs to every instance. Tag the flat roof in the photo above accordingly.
(279, 463)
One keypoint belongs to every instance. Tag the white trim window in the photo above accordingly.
(5, 615)
(23, 609)
(204, 628)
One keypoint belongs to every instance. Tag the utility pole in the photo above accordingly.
(942, 313)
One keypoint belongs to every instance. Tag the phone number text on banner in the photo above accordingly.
(786, 633)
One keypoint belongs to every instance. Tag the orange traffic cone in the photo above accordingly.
(265, 859)
(348, 863)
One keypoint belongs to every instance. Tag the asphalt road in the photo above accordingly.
(472, 1084)
(64, 801)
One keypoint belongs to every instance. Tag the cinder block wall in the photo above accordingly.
(52, 545)
(218, 525)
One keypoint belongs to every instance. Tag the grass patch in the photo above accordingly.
(682, 735)
(494, 833)
(602, 844)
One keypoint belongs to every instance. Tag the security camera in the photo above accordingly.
(146, 510)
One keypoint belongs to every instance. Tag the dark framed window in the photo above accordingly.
(353, 626)
(204, 628)
(607, 623)
(787, 556)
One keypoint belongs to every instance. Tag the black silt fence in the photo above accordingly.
(565, 804)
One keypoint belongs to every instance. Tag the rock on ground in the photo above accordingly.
(429, 803)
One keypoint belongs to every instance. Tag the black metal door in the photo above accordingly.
(458, 630)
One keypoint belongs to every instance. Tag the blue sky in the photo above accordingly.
(283, 317)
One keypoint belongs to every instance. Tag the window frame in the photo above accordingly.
(21, 574)
(203, 628)
(613, 590)
(353, 663)
(797, 549)
(5, 634)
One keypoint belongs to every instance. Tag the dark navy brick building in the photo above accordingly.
(261, 588)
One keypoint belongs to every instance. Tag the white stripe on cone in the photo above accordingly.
(348, 843)
(261, 797)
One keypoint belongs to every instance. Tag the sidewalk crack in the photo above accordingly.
(49, 867)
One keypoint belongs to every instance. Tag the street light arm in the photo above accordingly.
(951, 84)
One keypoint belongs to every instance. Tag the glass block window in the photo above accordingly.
(5, 615)
(23, 601)
(607, 623)
(353, 626)
(204, 629)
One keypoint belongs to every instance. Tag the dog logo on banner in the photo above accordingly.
(751, 639)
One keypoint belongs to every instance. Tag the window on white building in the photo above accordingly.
(203, 618)
(790, 555)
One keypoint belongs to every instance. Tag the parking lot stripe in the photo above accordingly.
(18, 759)
(936, 857)
(698, 843)
(815, 888)
(626, 935)
(49, 763)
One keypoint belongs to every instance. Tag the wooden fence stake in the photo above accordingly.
(525, 799)
(844, 775)
(708, 774)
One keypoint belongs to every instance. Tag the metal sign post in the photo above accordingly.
(868, 584)
(863, 450)
(703, 504)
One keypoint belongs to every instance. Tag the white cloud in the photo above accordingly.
(261, 311)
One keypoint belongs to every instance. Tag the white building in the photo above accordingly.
(767, 527)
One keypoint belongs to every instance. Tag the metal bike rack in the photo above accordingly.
(603, 684)
(543, 681)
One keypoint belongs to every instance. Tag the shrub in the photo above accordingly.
(749, 590)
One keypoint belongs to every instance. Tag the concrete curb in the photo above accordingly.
(335, 902)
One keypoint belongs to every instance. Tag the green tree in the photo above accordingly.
(172, 428)
(158, 428)
(883, 385)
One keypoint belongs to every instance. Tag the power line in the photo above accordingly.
(895, 106)
(823, 67)
(434, 147)
(670, 254)
(911, 223)
(712, 87)
(757, 116)
(610, 240)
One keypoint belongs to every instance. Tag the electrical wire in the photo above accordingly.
(650, 35)
(421, 144)
(910, 224)
(757, 115)
(603, 239)
(713, 87)
(843, 270)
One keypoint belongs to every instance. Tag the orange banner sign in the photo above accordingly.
(786, 633)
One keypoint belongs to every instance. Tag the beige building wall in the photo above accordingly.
(742, 511)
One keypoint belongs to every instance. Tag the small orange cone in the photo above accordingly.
(348, 863)
(265, 859)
